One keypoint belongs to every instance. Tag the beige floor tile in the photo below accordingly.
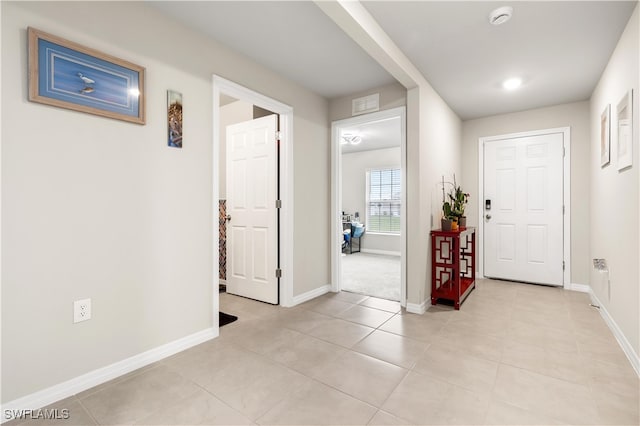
(554, 398)
(252, 384)
(340, 332)
(319, 404)
(486, 307)
(558, 339)
(561, 365)
(616, 409)
(617, 379)
(559, 319)
(307, 354)
(137, 397)
(266, 341)
(423, 400)
(363, 377)
(479, 324)
(393, 348)
(601, 349)
(463, 339)
(413, 326)
(302, 320)
(458, 368)
(68, 411)
(382, 304)
(346, 296)
(127, 376)
(200, 408)
(383, 418)
(501, 413)
(366, 316)
(328, 306)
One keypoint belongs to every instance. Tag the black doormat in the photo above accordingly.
(226, 318)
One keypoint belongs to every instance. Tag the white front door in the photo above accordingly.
(252, 242)
(523, 209)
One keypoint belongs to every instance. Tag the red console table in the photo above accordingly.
(453, 265)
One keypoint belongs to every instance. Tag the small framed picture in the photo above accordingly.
(625, 131)
(174, 119)
(605, 136)
(68, 75)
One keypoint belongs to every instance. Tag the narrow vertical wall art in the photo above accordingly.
(605, 136)
(174, 118)
(625, 131)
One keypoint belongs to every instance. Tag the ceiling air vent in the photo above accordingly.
(370, 103)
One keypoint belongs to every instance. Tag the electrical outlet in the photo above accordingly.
(81, 310)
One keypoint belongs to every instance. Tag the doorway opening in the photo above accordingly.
(524, 209)
(369, 205)
(246, 114)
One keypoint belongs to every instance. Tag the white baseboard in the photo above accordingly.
(301, 298)
(583, 288)
(620, 337)
(384, 252)
(415, 308)
(101, 375)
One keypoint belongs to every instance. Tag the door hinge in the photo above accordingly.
(278, 273)
(278, 204)
(562, 209)
(278, 134)
(564, 151)
(563, 265)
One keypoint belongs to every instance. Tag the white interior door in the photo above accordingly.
(252, 244)
(523, 209)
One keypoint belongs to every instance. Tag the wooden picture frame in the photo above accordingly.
(68, 75)
(624, 122)
(605, 136)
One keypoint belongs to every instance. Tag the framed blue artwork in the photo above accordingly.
(68, 75)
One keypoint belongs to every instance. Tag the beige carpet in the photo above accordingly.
(372, 274)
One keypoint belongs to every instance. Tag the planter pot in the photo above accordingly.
(446, 224)
(462, 222)
(454, 225)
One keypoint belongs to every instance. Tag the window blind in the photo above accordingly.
(383, 201)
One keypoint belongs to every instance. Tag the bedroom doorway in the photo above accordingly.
(368, 205)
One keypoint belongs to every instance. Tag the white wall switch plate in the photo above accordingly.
(81, 310)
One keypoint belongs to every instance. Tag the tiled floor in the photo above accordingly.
(513, 354)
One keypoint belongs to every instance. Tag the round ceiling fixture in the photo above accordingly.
(512, 83)
(500, 15)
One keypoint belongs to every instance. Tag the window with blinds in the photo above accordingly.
(383, 201)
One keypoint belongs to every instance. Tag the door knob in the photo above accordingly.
(228, 218)
(488, 216)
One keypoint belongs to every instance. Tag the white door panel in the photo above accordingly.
(251, 200)
(523, 230)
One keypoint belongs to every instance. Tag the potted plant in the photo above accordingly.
(453, 206)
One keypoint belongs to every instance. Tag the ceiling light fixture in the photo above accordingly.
(500, 15)
(512, 83)
(350, 139)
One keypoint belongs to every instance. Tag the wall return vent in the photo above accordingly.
(365, 104)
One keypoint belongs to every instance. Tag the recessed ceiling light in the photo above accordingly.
(500, 15)
(512, 83)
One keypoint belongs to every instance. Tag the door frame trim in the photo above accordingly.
(336, 194)
(228, 87)
(566, 196)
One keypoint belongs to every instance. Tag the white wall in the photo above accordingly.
(233, 113)
(614, 194)
(100, 208)
(574, 115)
(354, 187)
(438, 132)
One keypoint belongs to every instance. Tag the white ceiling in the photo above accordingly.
(294, 38)
(559, 48)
